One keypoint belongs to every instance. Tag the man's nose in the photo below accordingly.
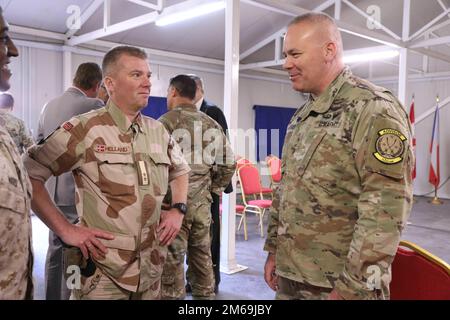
(12, 49)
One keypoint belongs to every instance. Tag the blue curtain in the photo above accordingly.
(156, 107)
(268, 119)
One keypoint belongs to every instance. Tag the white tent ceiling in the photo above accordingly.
(204, 37)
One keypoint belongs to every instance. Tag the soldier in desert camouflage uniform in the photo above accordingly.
(346, 190)
(122, 163)
(16, 258)
(15, 126)
(210, 173)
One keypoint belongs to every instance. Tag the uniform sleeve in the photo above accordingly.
(225, 166)
(384, 160)
(60, 152)
(178, 166)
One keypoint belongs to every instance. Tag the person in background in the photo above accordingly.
(216, 114)
(211, 172)
(78, 99)
(16, 128)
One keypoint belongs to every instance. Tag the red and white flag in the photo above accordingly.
(434, 177)
(412, 120)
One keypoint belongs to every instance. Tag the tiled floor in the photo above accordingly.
(429, 227)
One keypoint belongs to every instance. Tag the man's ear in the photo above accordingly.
(109, 84)
(330, 51)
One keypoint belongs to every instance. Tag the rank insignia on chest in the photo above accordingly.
(389, 146)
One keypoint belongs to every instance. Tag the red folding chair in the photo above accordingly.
(251, 185)
(274, 164)
(242, 162)
(240, 212)
(419, 275)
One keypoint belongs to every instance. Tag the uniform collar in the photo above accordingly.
(123, 123)
(322, 103)
(186, 106)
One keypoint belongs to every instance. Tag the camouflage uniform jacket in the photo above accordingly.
(16, 257)
(205, 148)
(121, 171)
(346, 190)
(17, 130)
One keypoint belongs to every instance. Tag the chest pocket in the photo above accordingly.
(159, 171)
(116, 173)
(304, 162)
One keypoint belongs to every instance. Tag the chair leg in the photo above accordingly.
(261, 214)
(240, 222)
(245, 226)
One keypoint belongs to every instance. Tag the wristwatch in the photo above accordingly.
(182, 207)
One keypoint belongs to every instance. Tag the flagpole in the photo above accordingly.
(436, 200)
(412, 121)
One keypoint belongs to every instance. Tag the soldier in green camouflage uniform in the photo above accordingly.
(346, 190)
(15, 126)
(212, 166)
(16, 257)
(122, 163)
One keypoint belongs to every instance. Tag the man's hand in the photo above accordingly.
(87, 239)
(334, 295)
(269, 272)
(169, 226)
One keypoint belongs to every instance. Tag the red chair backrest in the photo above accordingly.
(249, 177)
(275, 168)
(416, 277)
(242, 162)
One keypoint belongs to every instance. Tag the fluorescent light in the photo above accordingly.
(371, 56)
(190, 13)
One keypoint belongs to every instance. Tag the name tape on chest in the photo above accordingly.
(390, 146)
(102, 148)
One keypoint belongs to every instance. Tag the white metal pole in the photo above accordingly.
(67, 69)
(231, 99)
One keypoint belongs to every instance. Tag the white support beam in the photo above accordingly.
(324, 6)
(231, 101)
(403, 75)
(292, 10)
(106, 14)
(37, 32)
(266, 6)
(429, 24)
(337, 9)
(90, 10)
(433, 54)
(130, 23)
(263, 43)
(435, 28)
(278, 48)
(365, 15)
(67, 69)
(263, 64)
(157, 7)
(406, 19)
(430, 42)
(432, 109)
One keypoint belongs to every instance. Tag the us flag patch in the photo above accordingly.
(67, 126)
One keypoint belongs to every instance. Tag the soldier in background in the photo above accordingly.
(16, 128)
(122, 163)
(212, 166)
(216, 114)
(78, 99)
(16, 257)
(346, 195)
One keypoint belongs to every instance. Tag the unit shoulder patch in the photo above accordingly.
(390, 146)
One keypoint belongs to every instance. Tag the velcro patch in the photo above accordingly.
(68, 126)
(390, 146)
(101, 148)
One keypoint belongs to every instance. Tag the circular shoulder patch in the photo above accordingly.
(390, 146)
